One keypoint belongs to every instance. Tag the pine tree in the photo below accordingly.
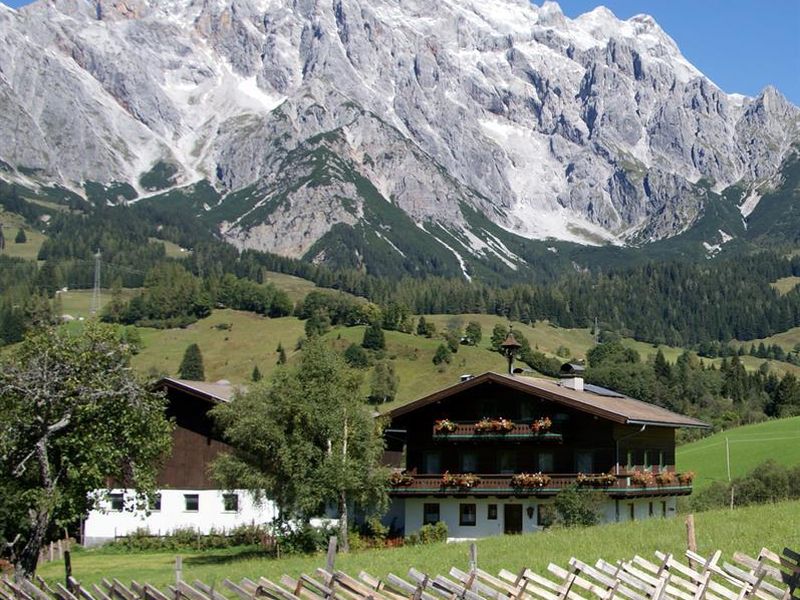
(281, 354)
(374, 338)
(192, 364)
(256, 376)
(442, 355)
(473, 333)
(21, 237)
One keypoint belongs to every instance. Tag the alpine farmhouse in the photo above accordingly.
(187, 497)
(488, 455)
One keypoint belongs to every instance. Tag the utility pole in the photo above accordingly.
(96, 291)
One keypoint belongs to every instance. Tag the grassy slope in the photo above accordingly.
(749, 446)
(746, 529)
(77, 303)
(11, 224)
(786, 284)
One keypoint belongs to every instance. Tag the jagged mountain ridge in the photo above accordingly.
(593, 130)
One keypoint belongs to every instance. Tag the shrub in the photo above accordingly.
(442, 355)
(429, 534)
(578, 507)
(768, 482)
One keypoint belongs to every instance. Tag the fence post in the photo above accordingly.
(52, 552)
(691, 538)
(178, 569)
(473, 556)
(331, 558)
(68, 570)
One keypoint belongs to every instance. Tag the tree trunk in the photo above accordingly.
(344, 544)
(29, 557)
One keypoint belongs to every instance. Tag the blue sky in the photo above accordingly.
(742, 45)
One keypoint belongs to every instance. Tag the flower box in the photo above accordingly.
(530, 480)
(500, 425)
(400, 480)
(666, 478)
(686, 478)
(542, 425)
(460, 480)
(642, 478)
(444, 426)
(596, 479)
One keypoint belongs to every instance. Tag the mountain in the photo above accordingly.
(427, 136)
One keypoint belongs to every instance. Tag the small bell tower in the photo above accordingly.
(510, 346)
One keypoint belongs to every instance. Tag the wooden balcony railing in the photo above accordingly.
(503, 485)
(467, 431)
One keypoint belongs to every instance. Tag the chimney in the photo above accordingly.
(572, 376)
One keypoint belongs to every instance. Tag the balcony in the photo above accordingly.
(470, 432)
(620, 486)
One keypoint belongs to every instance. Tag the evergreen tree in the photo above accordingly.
(661, 366)
(256, 376)
(452, 339)
(192, 364)
(383, 383)
(356, 356)
(473, 334)
(374, 338)
(318, 324)
(499, 333)
(425, 328)
(114, 311)
(21, 237)
(281, 354)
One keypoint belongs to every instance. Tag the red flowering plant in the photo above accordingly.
(444, 426)
(530, 480)
(501, 425)
(643, 478)
(460, 480)
(398, 479)
(686, 478)
(541, 425)
(596, 479)
(666, 478)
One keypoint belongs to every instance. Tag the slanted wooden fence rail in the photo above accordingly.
(768, 576)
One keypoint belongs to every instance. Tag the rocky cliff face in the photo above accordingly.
(306, 113)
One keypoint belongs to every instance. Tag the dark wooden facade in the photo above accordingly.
(195, 444)
(577, 442)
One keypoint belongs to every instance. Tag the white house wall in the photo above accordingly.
(484, 527)
(103, 525)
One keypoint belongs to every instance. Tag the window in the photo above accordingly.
(191, 502)
(117, 502)
(467, 515)
(230, 502)
(507, 462)
(663, 509)
(584, 462)
(430, 514)
(545, 515)
(632, 509)
(469, 462)
(432, 462)
(651, 511)
(491, 515)
(156, 503)
(546, 462)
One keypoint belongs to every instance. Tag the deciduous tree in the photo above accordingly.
(74, 417)
(305, 440)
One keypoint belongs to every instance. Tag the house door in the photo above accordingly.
(512, 518)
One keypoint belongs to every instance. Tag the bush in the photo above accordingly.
(188, 538)
(442, 355)
(768, 482)
(577, 507)
(429, 534)
(301, 539)
(356, 356)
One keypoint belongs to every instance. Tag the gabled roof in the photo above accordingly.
(620, 409)
(212, 392)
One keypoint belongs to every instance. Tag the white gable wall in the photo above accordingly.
(103, 525)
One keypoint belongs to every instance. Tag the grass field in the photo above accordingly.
(295, 287)
(78, 303)
(745, 529)
(11, 224)
(172, 249)
(786, 284)
(749, 446)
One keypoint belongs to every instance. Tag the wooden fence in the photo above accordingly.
(768, 576)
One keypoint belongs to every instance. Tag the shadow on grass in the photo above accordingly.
(226, 558)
